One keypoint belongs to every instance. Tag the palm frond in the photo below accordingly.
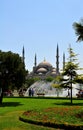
(78, 30)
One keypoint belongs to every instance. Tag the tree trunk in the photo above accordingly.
(71, 89)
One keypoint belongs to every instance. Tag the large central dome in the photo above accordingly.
(44, 63)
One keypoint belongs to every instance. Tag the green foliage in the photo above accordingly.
(70, 72)
(12, 71)
(56, 81)
(78, 27)
(71, 67)
(79, 79)
(49, 78)
(36, 79)
(30, 81)
(57, 84)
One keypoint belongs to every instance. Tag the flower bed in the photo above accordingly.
(57, 117)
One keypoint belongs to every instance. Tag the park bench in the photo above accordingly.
(40, 94)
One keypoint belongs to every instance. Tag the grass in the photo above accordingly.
(49, 110)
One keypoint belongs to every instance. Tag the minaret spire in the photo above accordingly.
(35, 62)
(57, 60)
(63, 61)
(23, 55)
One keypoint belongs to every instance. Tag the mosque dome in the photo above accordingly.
(43, 67)
(41, 70)
(53, 73)
(44, 63)
(54, 70)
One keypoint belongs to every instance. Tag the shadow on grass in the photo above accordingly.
(10, 104)
(69, 104)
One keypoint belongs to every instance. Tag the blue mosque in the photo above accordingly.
(44, 68)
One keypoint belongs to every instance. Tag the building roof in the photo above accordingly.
(44, 63)
(41, 70)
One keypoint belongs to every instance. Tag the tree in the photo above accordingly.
(12, 70)
(79, 30)
(70, 71)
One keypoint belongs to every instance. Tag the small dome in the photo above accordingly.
(41, 70)
(53, 73)
(40, 73)
(53, 70)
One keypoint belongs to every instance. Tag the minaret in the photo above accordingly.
(63, 61)
(35, 62)
(57, 60)
(23, 56)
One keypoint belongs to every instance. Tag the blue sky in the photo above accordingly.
(39, 25)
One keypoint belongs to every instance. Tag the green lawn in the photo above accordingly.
(12, 108)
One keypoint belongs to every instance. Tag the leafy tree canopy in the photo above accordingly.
(78, 27)
(12, 70)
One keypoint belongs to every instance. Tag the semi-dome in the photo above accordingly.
(41, 70)
(54, 70)
(53, 73)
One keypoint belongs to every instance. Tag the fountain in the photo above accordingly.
(45, 88)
